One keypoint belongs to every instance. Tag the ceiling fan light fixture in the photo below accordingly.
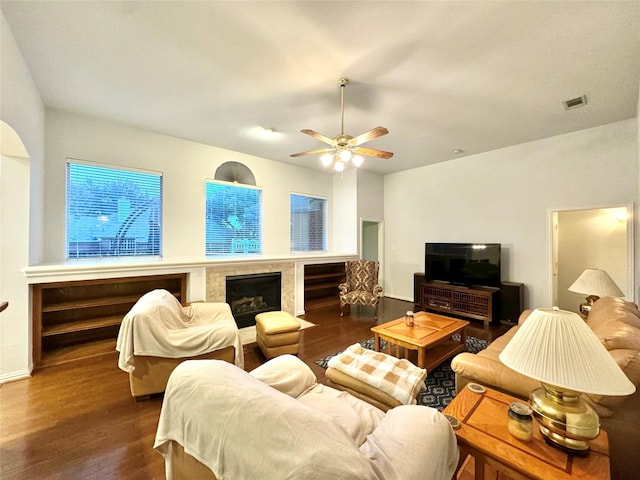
(339, 166)
(345, 155)
(357, 160)
(326, 159)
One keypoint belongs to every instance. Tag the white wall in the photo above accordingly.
(371, 208)
(505, 196)
(636, 213)
(23, 110)
(185, 165)
(15, 327)
(358, 195)
(370, 196)
(344, 210)
(21, 199)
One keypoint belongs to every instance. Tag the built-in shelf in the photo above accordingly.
(80, 319)
(321, 285)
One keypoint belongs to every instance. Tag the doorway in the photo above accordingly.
(370, 244)
(599, 238)
(371, 238)
(15, 329)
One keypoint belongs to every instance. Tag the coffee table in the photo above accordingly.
(484, 435)
(430, 337)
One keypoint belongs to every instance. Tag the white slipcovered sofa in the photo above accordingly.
(220, 422)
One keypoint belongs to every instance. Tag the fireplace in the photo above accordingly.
(249, 295)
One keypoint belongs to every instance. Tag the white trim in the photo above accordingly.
(113, 166)
(233, 184)
(44, 273)
(13, 376)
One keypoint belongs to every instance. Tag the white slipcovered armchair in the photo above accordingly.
(158, 333)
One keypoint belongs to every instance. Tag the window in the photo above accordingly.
(233, 219)
(112, 212)
(308, 223)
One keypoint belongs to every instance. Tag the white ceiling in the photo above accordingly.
(440, 76)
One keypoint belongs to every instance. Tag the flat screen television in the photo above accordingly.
(468, 264)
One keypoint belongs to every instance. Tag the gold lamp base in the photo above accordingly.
(567, 421)
(585, 308)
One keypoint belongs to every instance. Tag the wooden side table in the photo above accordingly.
(484, 435)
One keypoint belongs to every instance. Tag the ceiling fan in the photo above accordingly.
(345, 148)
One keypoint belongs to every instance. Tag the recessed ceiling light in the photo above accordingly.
(263, 133)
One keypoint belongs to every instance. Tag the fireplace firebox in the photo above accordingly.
(249, 295)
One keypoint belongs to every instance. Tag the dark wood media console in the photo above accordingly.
(479, 303)
(476, 303)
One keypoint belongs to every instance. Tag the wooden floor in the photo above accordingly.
(79, 422)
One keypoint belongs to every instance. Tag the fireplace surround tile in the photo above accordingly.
(216, 281)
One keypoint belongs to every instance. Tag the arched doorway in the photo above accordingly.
(15, 327)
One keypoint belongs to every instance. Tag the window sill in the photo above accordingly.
(81, 269)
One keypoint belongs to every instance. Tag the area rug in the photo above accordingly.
(248, 334)
(440, 381)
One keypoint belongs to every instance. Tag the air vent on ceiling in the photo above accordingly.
(575, 102)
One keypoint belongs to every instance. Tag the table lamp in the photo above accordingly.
(557, 348)
(594, 283)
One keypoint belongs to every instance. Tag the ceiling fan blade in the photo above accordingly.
(317, 135)
(312, 152)
(370, 135)
(370, 152)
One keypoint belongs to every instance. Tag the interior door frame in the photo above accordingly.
(630, 293)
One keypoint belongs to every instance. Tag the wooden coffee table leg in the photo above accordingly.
(463, 338)
(376, 342)
(421, 357)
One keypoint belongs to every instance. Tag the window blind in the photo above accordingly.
(112, 212)
(308, 223)
(233, 219)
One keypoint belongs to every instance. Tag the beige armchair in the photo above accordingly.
(361, 285)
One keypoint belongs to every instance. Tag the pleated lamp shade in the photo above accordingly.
(596, 282)
(558, 348)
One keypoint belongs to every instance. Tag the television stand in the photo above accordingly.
(469, 302)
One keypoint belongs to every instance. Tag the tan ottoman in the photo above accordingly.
(370, 368)
(277, 333)
(359, 389)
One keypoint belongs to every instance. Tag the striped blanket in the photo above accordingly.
(396, 377)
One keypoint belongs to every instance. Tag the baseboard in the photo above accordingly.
(13, 376)
(399, 297)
